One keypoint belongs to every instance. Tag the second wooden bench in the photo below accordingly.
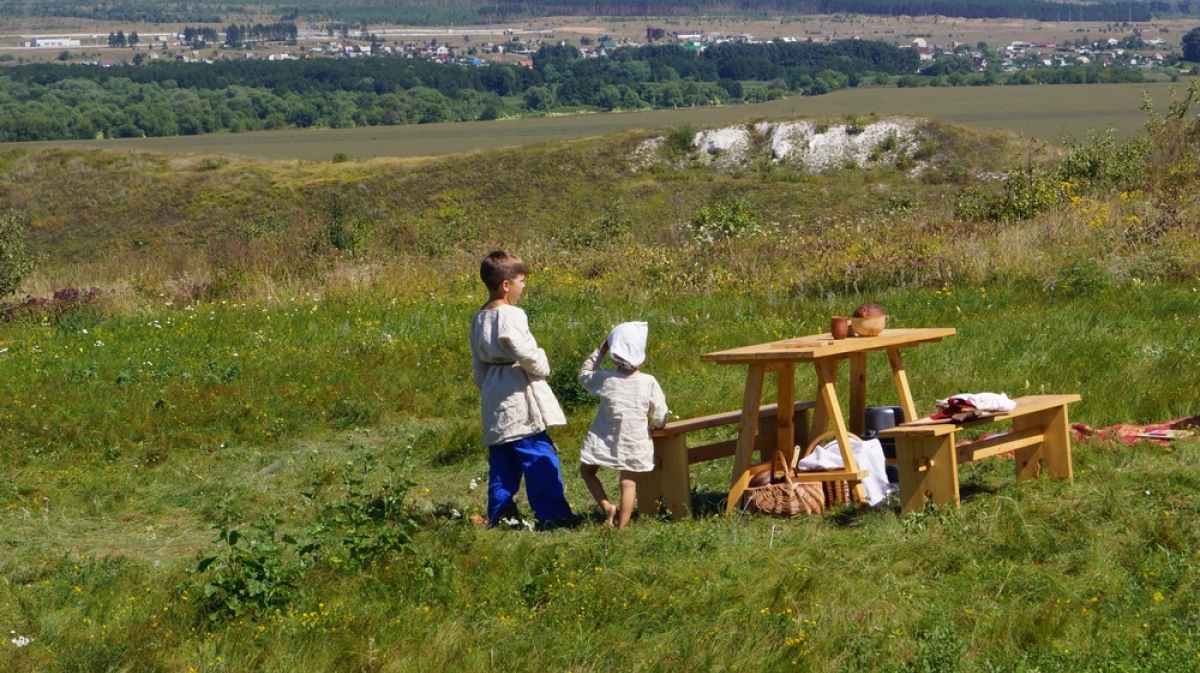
(927, 456)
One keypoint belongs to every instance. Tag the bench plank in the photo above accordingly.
(927, 456)
(687, 425)
(1030, 404)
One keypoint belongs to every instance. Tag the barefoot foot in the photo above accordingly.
(610, 512)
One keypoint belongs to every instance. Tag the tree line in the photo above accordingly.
(50, 102)
(1041, 10)
(124, 11)
(239, 35)
(442, 12)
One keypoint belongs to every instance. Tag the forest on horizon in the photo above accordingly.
(440, 12)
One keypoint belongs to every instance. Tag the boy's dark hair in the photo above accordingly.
(500, 266)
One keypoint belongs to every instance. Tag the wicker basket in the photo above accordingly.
(836, 490)
(781, 495)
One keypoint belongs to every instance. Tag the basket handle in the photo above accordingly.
(821, 439)
(779, 465)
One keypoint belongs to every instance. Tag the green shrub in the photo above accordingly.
(252, 573)
(728, 218)
(16, 260)
(369, 520)
(678, 142)
(1026, 192)
(345, 229)
(1105, 164)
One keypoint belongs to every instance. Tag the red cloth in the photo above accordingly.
(1128, 433)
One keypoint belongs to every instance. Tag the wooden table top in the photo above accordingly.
(820, 346)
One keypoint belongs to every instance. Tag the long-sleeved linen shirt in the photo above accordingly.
(629, 403)
(510, 371)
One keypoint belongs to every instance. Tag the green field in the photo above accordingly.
(1046, 112)
(253, 446)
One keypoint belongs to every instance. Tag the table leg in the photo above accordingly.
(746, 433)
(826, 376)
(858, 393)
(822, 414)
(785, 431)
(902, 389)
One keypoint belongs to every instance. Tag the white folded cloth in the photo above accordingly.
(983, 401)
(869, 456)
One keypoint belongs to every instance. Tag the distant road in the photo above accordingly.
(1042, 111)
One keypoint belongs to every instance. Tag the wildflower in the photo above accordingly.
(473, 485)
(20, 641)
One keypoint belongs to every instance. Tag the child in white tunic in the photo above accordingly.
(619, 437)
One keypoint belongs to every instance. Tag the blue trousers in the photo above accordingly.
(535, 457)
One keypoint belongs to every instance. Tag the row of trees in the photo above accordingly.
(115, 11)
(436, 12)
(198, 37)
(45, 101)
(119, 39)
(237, 36)
(1041, 10)
(553, 65)
(120, 108)
(956, 75)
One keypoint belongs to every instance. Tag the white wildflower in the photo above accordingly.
(474, 484)
(20, 641)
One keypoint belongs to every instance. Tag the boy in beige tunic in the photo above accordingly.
(510, 371)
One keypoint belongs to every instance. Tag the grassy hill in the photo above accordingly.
(253, 447)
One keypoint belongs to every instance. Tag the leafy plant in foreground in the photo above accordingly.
(253, 572)
(370, 521)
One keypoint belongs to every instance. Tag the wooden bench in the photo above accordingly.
(669, 484)
(927, 456)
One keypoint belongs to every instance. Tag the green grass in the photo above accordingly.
(1045, 112)
(239, 372)
(116, 467)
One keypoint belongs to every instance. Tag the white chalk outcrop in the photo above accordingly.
(804, 145)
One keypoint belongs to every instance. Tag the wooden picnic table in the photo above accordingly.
(825, 353)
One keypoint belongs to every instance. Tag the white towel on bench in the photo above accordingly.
(869, 456)
(984, 401)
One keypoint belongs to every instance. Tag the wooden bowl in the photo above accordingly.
(868, 311)
(869, 327)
